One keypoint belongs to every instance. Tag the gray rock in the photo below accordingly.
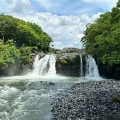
(70, 50)
(88, 101)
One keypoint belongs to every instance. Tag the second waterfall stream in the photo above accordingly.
(44, 66)
(92, 71)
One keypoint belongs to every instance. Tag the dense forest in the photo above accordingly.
(18, 39)
(23, 33)
(102, 41)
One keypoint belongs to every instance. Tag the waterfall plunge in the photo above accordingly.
(44, 66)
(81, 66)
(91, 68)
(52, 68)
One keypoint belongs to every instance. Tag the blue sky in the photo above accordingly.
(63, 20)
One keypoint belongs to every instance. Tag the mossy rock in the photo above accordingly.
(69, 60)
(116, 99)
(63, 61)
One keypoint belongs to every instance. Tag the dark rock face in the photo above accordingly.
(88, 101)
(111, 72)
(68, 64)
(16, 69)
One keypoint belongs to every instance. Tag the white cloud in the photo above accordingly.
(45, 4)
(57, 44)
(105, 4)
(18, 6)
(95, 16)
(65, 30)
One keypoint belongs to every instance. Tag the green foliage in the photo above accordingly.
(23, 33)
(13, 53)
(2, 53)
(9, 54)
(63, 60)
(18, 39)
(52, 50)
(34, 49)
(25, 55)
(116, 99)
(102, 38)
(8, 27)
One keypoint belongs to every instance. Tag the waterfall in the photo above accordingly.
(81, 66)
(35, 65)
(52, 68)
(45, 65)
(91, 68)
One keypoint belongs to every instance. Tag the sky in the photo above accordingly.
(63, 20)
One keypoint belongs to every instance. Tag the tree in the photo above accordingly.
(102, 39)
(23, 33)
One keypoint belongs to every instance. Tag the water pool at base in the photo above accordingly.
(30, 98)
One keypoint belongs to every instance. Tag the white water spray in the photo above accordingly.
(52, 68)
(44, 66)
(81, 66)
(91, 68)
(35, 64)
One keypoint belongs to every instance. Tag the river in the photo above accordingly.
(30, 97)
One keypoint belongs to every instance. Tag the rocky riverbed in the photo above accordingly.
(92, 100)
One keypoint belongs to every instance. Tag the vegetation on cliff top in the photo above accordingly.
(9, 54)
(18, 38)
(23, 33)
(102, 39)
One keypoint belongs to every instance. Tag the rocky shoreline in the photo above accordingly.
(91, 100)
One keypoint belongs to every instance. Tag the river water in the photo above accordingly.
(30, 98)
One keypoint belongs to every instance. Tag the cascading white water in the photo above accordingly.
(35, 65)
(91, 68)
(44, 66)
(81, 66)
(52, 68)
